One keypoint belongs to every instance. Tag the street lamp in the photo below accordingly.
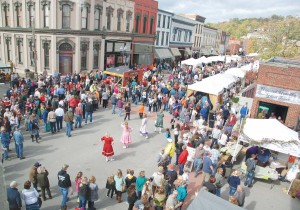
(123, 52)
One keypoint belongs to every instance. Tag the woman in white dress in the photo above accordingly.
(144, 129)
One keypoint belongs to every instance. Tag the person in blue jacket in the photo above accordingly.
(5, 141)
(182, 193)
(14, 197)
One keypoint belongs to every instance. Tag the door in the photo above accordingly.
(65, 64)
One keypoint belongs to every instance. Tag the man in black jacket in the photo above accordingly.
(64, 184)
(89, 111)
(13, 197)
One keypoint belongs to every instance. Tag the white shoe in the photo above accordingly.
(124, 147)
(107, 160)
(112, 159)
(147, 137)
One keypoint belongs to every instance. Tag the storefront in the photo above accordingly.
(163, 54)
(278, 92)
(143, 53)
(117, 53)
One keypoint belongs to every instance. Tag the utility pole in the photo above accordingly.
(34, 48)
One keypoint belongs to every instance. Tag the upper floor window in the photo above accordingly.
(164, 21)
(84, 17)
(66, 16)
(5, 8)
(8, 50)
(145, 24)
(151, 25)
(157, 38)
(46, 14)
(162, 38)
(158, 20)
(179, 36)
(119, 19)
(109, 13)
(20, 51)
(84, 50)
(185, 36)
(167, 38)
(46, 54)
(96, 55)
(31, 15)
(18, 8)
(31, 52)
(128, 18)
(97, 23)
(169, 21)
(137, 23)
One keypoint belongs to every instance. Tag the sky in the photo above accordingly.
(223, 10)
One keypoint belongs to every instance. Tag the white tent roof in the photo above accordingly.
(273, 135)
(206, 87)
(223, 80)
(253, 54)
(190, 61)
(236, 72)
(247, 67)
(201, 60)
(216, 58)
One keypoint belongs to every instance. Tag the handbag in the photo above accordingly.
(123, 188)
(40, 201)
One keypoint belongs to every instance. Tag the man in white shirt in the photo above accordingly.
(37, 93)
(59, 117)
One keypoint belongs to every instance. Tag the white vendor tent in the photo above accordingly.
(208, 201)
(271, 134)
(236, 72)
(206, 87)
(252, 55)
(223, 80)
(201, 60)
(247, 67)
(189, 62)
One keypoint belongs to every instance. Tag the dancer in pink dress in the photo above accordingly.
(126, 138)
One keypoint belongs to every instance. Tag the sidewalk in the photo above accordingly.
(3, 202)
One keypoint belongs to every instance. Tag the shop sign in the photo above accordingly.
(278, 94)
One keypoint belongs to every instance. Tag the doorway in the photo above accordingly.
(278, 110)
(65, 59)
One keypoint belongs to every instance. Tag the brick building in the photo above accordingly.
(144, 30)
(234, 45)
(278, 91)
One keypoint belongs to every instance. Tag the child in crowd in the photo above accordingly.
(110, 186)
(141, 110)
(185, 176)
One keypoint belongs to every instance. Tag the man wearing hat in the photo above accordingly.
(13, 197)
(33, 175)
(19, 139)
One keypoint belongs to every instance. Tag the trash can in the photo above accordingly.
(228, 166)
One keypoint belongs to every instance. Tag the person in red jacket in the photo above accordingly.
(232, 120)
(72, 103)
(182, 159)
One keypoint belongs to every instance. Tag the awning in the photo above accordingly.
(213, 52)
(188, 51)
(205, 51)
(175, 52)
(4, 66)
(163, 53)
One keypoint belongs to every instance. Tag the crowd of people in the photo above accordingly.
(52, 100)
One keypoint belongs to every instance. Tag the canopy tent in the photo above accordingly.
(236, 72)
(223, 80)
(271, 134)
(190, 62)
(252, 55)
(201, 60)
(208, 201)
(206, 87)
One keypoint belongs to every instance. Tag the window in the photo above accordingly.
(46, 55)
(151, 25)
(137, 23)
(31, 16)
(157, 38)
(167, 38)
(108, 23)
(185, 36)
(158, 22)
(96, 55)
(18, 15)
(31, 53)
(164, 21)
(84, 17)
(66, 16)
(169, 22)
(162, 38)
(128, 23)
(46, 16)
(84, 49)
(190, 36)
(97, 19)
(6, 14)
(119, 22)
(179, 36)
(8, 49)
(145, 24)
(20, 51)
(174, 34)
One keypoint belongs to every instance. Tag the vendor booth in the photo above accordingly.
(273, 136)
(208, 201)
(123, 74)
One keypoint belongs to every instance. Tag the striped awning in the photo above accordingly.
(175, 52)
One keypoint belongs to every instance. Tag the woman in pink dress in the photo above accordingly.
(126, 138)
(108, 150)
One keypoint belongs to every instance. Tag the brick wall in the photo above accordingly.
(281, 77)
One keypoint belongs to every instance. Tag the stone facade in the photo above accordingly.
(69, 35)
